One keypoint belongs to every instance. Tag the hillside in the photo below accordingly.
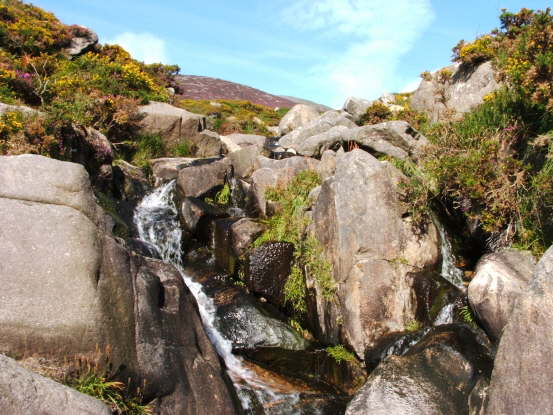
(203, 87)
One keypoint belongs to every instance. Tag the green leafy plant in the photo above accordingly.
(340, 354)
(289, 224)
(467, 315)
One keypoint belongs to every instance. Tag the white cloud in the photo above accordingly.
(142, 46)
(372, 35)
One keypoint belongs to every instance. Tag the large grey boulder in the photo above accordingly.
(356, 107)
(23, 392)
(206, 144)
(276, 173)
(83, 40)
(319, 125)
(522, 378)
(167, 168)
(68, 289)
(376, 255)
(172, 123)
(465, 89)
(298, 116)
(246, 140)
(436, 377)
(197, 180)
(499, 280)
(243, 161)
(394, 138)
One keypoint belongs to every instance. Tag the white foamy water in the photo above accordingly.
(157, 222)
(449, 271)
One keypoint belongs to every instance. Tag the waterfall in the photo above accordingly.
(157, 222)
(449, 271)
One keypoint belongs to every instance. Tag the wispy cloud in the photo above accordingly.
(373, 35)
(143, 46)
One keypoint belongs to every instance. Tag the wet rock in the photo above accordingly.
(435, 377)
(522, 377)
(206, 144)
(275, 173)
(225, 258)
(478, 398)
(465, 90)
(378, 259)
(198, 180)
(317, 368)
(356, 107)
(268, 269)
(131, 182)
(324, 123)
(23, 392)
(298, 116)
(193, 213)
(244, 232)
(173, 124)
(499, 280)
(243, 321)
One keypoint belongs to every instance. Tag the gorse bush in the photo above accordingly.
(290, 224)
(235, 116)
(494, 165)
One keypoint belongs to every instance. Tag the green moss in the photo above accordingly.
(340, 354)
(290, 224)
(413, 325)
(110, 207)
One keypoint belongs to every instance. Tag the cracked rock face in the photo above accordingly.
(376, 255)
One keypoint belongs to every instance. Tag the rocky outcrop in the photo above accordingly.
(318, 126)
(499, 280)
(454, 90)
(172, 123)
(298, 116)
(243, 161)
(83, 40)
(206, 144)
(69, 288)
(23, 392)
(200, 179)
(275, 173)
(522, 377)
(167, 169)
(435, 377)
(377, 257)
(394, 138)
(244, 232)
(356, 107)
(246, 140)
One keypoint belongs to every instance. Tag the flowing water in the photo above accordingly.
(157, 223)
(449, 271)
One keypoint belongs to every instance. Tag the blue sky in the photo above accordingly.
(322, 50)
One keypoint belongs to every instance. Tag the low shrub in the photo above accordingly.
(340, 354)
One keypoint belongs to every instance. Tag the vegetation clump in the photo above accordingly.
(340, 354)
(494, 166)
(289, 224)
(235, 116)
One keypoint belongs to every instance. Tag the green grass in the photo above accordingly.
(340, 354)
(289, 224)
(413, 326)
(148, 146)
(112, 393)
